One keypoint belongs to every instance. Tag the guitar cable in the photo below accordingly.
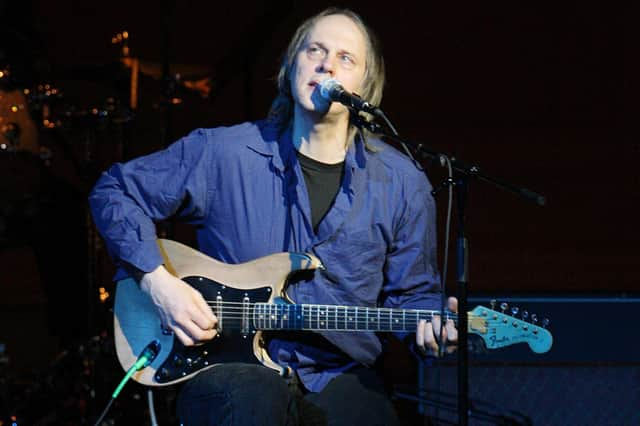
(146, 357)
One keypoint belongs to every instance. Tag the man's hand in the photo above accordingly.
(428, 333)
(182, 309)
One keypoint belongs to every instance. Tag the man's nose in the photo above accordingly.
(327, 65)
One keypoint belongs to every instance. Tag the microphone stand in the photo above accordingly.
(166, 228)
(465, 174)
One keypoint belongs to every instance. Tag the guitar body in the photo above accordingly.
(136, 322)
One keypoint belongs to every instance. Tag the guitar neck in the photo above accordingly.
(267, 316)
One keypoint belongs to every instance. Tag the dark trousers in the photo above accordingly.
(248, 395)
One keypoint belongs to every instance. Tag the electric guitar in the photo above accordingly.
(250, 298)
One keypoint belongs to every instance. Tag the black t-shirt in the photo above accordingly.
(323, 182)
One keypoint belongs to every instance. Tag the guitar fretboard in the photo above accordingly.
(267, 316)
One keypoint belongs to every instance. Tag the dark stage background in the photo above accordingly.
(532, 92)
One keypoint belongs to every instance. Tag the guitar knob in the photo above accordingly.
(493, 304)
(525, 314)
(504, 306)
(163, 374)
(177, 361)
(545, 323)
(534, 318)
(514, 311)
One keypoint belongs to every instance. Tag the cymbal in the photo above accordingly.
(194, 77)
(156, 69)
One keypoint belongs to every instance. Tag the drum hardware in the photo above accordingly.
(11, 132)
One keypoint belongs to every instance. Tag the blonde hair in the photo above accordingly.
(281, 111)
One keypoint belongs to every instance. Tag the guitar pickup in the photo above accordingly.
(245, 328)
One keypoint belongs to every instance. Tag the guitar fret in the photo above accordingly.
(256, 316)
(345, 315)
(307, 318)
(314, 315)
(292, 317)
(383, 324)
(311, 318)
(350, 318)
(366, 318)
(269, 318)
(274, 317)
(395, 322)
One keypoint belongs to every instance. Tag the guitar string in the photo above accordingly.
(233, 312)
(361, 322)
(341, 311)
(214, 303)
(315, 324)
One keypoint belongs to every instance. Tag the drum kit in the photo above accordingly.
(44, 131)
(54, 140)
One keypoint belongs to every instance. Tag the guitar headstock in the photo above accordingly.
(499, 329)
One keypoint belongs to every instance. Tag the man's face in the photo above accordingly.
(334, 48)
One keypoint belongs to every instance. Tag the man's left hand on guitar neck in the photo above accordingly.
(428, 333)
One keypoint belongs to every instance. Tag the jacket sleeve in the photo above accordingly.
(130, 197)
(412, 279)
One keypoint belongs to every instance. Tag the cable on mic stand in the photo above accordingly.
(145, 358)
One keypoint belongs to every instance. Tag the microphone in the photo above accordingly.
(332, 90)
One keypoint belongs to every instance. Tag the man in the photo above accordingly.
(303, 180)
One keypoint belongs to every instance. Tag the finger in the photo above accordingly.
(429, 338)
(437, 328)
(206, 310)
(196, 333)
(182, 336)
(203, 316)
(204, 335)
(442, 339)
(436, 325)
(453, 304)
(452, 331)
(420, 332)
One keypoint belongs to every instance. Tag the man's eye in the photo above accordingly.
(347, 58)
(347, 61)
(314, 51)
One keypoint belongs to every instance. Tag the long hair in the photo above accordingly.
(281, 111)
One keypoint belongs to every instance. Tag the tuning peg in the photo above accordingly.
(504, 306)
(493, 304)
(534, 318)
(514, 311)
(525, 314)
(545, 323)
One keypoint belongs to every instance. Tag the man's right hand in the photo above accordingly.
(182, 308)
